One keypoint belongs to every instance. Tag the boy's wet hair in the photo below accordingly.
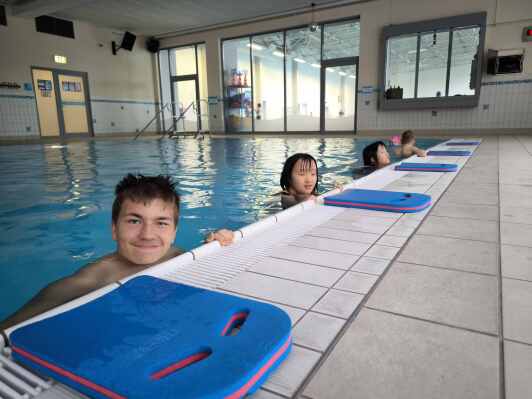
(407, 137)
(370, 152)
(139, 188)
(286, 175)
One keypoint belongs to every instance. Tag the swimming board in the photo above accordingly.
(463, 143)
(379, 200)
(427, 167)
(449, 153)
(152, 338)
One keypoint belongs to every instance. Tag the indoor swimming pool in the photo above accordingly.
(55, 208)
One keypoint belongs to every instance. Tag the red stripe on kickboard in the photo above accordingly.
(179, 365)
(245, 388)
(233, 319)
(68, 374)
(377, 206)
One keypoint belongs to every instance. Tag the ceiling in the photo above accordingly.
(160, 17)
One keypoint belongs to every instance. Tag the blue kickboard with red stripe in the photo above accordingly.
(379, 200)
(427, 167)
(463, 143)
(151, 338)
(449, 153)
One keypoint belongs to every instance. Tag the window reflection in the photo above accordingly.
(268, 73)
(464, 51)
(303, 63)
(433, 53)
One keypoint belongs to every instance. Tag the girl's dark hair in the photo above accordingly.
(370, 152)
(286, 175)
(139, 188)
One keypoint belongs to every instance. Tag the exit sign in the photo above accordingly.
(527, 34)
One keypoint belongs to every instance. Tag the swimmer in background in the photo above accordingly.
(408, 146)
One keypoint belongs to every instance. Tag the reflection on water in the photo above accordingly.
(55, 204)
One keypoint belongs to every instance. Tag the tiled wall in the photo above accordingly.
(18, 116)
(503, 104)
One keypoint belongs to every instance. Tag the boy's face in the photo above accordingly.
(303, 177)
(144, 232)
(383, 158)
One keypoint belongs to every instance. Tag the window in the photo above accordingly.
(3, 19)
(433, 63)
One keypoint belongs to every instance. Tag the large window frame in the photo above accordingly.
(423, 27)
(250, 37)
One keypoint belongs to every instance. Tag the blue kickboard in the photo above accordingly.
(379, 200)
(463, 143)
(449, 153)
(427, 167)
(152, 338)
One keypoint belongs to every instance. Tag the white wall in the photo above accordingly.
(123, 87)
(498, 106)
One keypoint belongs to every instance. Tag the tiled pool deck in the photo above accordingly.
(436, 304)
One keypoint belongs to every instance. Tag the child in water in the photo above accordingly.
(299, 180)
(408, 146)
(375, 156)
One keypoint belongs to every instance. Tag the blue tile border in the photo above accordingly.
(15, 96)
(506, 82)
(123, 101)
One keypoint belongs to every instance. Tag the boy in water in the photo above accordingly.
(408, 146)
(144, 223)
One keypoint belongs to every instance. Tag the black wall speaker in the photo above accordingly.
(152, 44)
(128, 41)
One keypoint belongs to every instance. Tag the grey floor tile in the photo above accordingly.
(517, 310)
(314, 256)
(368, 238)
(316, 331)
(517, 370)
(364, 224)
(447, 296)
(449, 209)
(401, 230)
(327, 244)
(356, 282)
(382, 252)
(302, 272)
(516, 262)
(354, 214)
(516, 214)
(393, 241)
(516, 195)
(384, 356)
(262, 394)
(516, 234)
(469, 229)
(476, 194)
(467, 176)
(291, 373)
(275, 289)
(452, 253)
(371, 265)
(338, 303)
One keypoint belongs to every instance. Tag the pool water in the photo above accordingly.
(55, 203)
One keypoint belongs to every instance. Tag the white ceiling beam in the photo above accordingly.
(35, 8)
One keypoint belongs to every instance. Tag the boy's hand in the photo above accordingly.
(223, 236)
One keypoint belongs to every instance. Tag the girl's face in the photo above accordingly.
(383, 158)
(304, 177)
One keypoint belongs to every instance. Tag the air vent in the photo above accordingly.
(54, 26)
(3, 19)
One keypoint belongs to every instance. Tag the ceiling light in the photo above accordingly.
(342, 73)
(352, 76)
(301, 61)
(315, 65)
(330, 69)
(255, 46)
(278, 54)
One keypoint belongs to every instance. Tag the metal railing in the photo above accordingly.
(172, 131)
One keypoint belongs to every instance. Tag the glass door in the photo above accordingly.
(186, 105)
(339, 95)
